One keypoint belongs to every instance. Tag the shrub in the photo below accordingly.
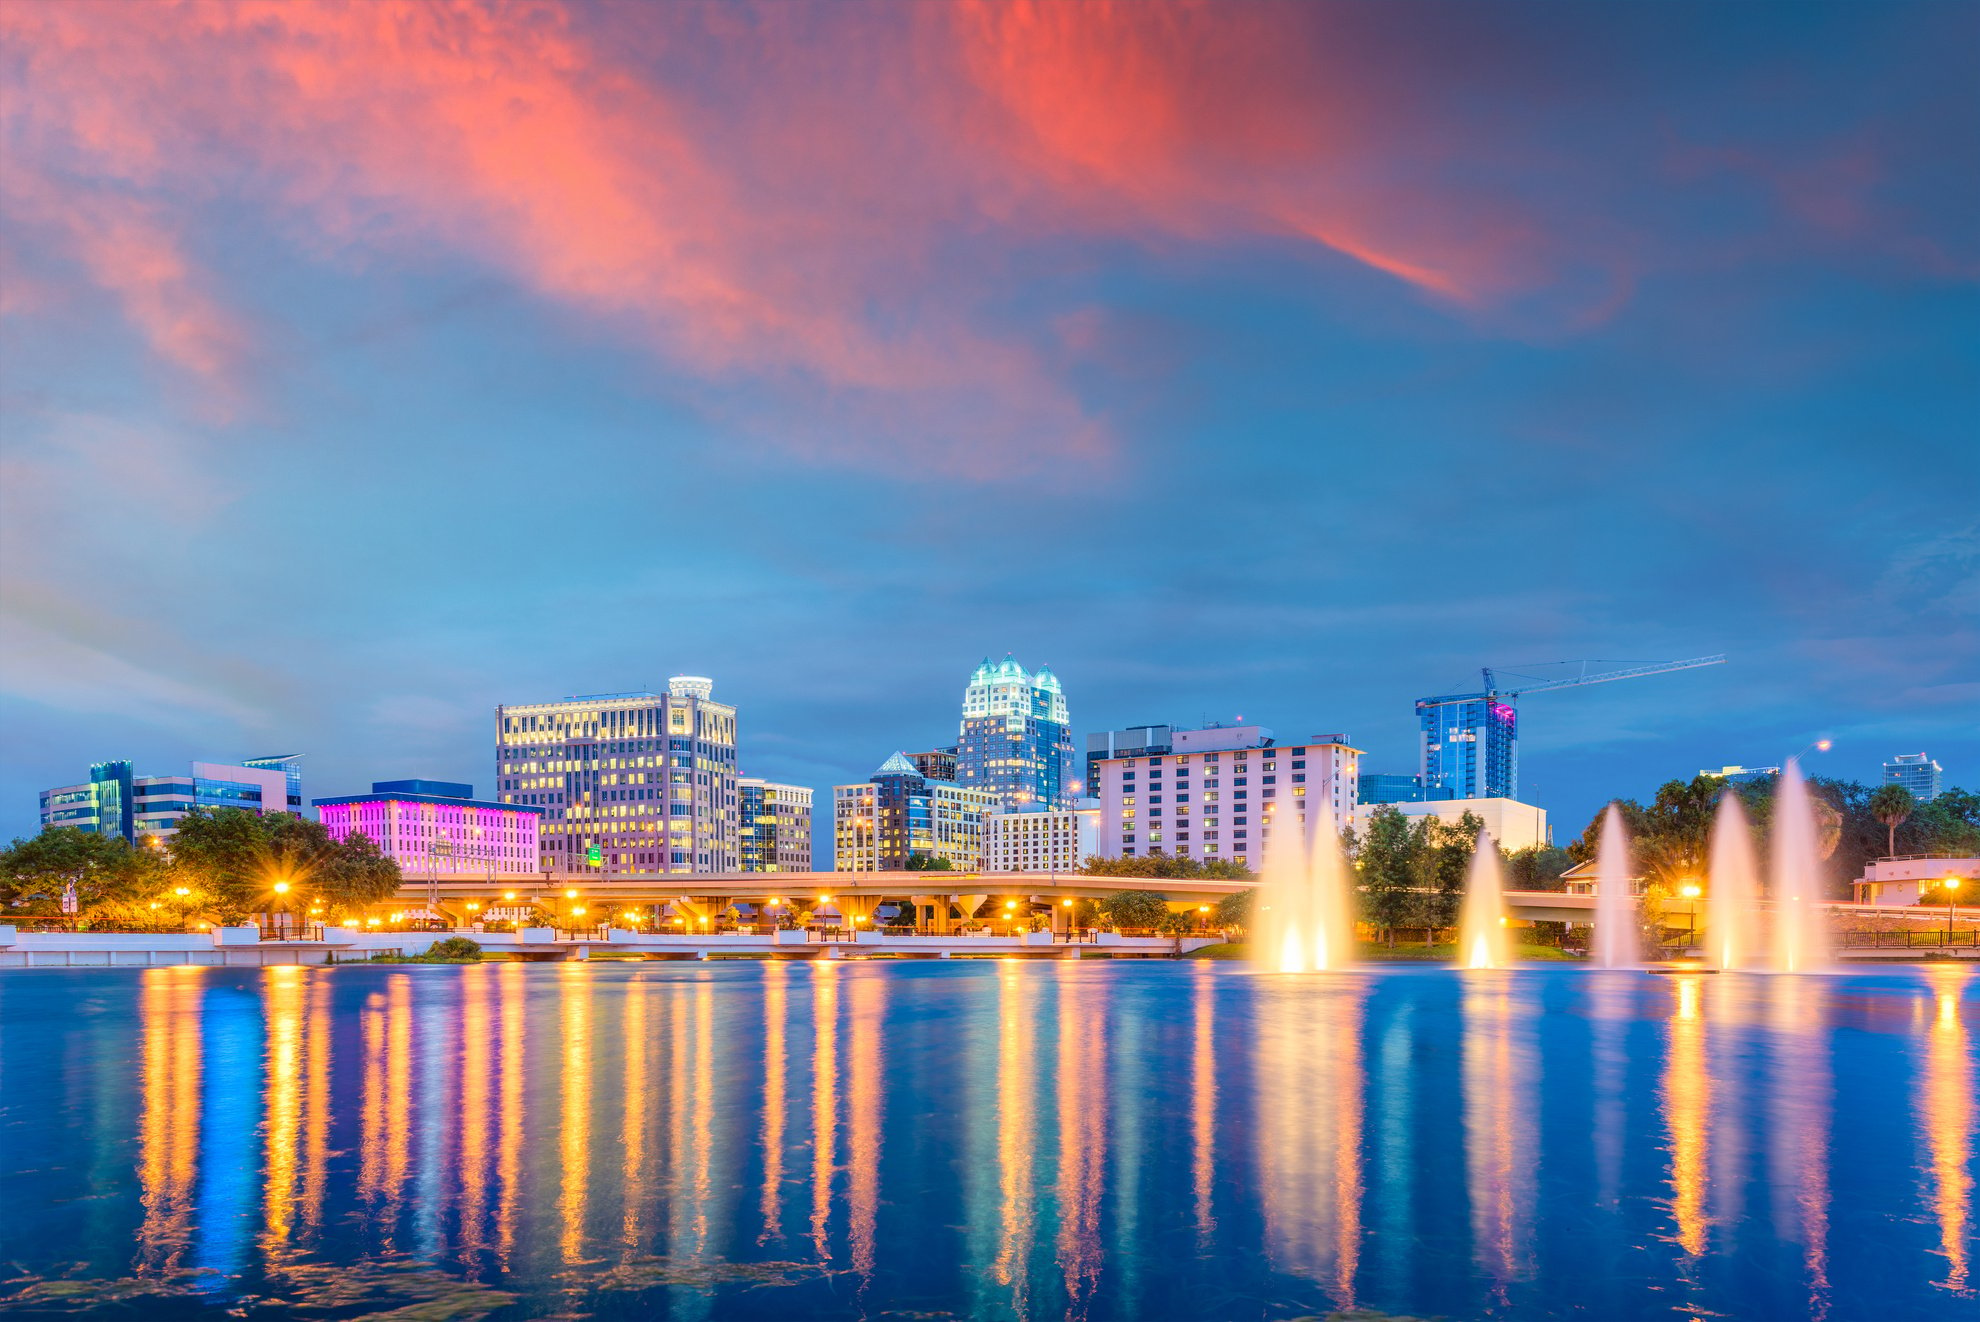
(454, 947)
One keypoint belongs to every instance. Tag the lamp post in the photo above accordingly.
(1952, 889)
(1690, 892)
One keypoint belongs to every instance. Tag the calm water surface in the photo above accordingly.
(985, 1139)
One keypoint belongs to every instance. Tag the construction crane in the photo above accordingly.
(1471, 740)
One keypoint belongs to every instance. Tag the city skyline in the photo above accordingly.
(1296, 395)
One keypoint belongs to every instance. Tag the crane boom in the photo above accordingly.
(1605, 676)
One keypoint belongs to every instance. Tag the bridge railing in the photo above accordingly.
(1909, 938)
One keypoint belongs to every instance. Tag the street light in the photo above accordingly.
(1952, 889)
(1690, 892)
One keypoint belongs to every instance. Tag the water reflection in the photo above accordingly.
(1499, 1153)
(1310, 1076)
(1798, 1129)
(1946, 1116)
(1687, 1097)
(169, 1115)
(1007, 1140)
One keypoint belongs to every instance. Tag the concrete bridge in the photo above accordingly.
(941, 903)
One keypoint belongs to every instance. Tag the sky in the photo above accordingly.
(364, 366)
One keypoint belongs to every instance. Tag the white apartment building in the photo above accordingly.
(630, 783)
(1511, 824)
(1218, 792)
(1054, 840)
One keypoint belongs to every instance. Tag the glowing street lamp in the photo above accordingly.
(1952, 889)
(1690, 892)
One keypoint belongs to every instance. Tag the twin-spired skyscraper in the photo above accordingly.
(1016, 737)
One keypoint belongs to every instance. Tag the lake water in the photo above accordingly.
(986, 1139)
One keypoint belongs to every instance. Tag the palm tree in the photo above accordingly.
(1892, 805)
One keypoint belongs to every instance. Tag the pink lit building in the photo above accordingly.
(438, 826)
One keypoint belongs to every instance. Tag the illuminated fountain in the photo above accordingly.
(1733, 901)
(1483, 942)
(1305, 922)
(1801, 936)
(1616, 945)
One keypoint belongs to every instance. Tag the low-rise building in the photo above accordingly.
(776, 826)
(1906, 880)
(116, 801)
(1512, 824)
(1056, 840)
(1217, 792)
(899, 813)
(438, 826)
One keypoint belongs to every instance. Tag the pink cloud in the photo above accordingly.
(809, 213)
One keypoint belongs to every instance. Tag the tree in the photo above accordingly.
(67, 871)
(1166, 867)
(1235, 910)
(1387, 874)
(238, 857)
(1134, 908)
(928, 863)
(1537, 868)
(1892, 805)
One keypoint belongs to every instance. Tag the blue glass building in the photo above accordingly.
(1470, 746)
(1016, 739)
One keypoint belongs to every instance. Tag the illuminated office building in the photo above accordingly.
(116, 801)
(438, 826)
(1017, 737)
(629, 783)
(898, 813)
(775, 834)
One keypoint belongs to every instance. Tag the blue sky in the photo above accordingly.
(1285, 362)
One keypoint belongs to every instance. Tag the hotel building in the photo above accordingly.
(1219, 790)
(1055, 840)
(116, 801)
(1017, 737)
(898, 813)
(629, 782)
(1917, 773)
(775, 835)
(438, 826)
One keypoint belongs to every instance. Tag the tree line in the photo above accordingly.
(219, 866)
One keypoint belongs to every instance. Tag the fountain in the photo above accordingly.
(1801, 937)
(1305, 922)
(1733, 895)
(1616, 944)
(1483, 942)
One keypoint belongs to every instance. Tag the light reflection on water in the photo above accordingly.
(998, 1139)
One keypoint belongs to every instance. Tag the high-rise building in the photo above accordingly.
(1470, 746)
(629, 782)
(1917, 773)
(899, 813)
(1016, 737)
(1057, 840)
(438, 826)
(116, 801)
(1217, 793)
(1135, 741)
(775, 835)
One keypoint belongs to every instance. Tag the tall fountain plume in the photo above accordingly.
(1483, 941)
(1331, 883)
(1732, 903)
(1304, 920)
(1801, 935)
(1616, 945)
